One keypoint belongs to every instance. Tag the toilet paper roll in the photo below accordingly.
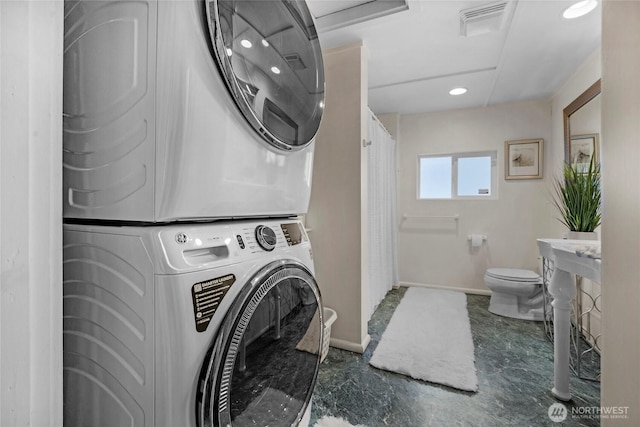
(476, 240)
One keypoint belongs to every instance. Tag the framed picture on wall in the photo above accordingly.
(523, 159)
(582, 148)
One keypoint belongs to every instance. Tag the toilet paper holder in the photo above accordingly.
(483, 236)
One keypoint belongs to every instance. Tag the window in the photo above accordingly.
(458, 176)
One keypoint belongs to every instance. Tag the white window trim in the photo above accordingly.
(454, 174)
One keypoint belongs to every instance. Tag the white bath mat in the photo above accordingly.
(334, 422)
(429, 338)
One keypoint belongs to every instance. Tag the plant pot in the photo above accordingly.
(582, 235)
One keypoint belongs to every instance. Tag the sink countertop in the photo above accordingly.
(563, 253)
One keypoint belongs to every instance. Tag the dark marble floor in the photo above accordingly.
(514, 362)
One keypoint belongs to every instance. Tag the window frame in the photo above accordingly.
(493, 154)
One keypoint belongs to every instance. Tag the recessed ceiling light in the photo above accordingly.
(246, 43)
(458, 91)
(265, 43)
(229, 51)
(275, 70)
(579, 9)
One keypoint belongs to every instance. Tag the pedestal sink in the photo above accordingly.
(563, 289)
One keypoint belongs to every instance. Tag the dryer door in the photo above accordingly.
(269, 55)
(263, 363)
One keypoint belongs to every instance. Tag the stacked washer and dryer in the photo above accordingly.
(189, 290)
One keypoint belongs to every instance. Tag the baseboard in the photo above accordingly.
(450, 288)
(351, 346)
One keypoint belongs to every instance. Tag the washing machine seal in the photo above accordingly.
(269, 55)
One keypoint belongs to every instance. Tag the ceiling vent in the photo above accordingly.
(483, 19)
(295, 62)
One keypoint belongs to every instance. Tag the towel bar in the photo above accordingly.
(453, 217)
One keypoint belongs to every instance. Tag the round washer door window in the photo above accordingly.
(269, 55)
(263, 363)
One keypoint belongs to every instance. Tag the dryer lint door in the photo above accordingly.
(269, 55)
(263, 362)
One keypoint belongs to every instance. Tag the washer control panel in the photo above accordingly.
(187, 246)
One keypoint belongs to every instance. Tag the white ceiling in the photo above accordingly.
(416, 53)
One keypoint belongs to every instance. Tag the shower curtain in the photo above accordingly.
(382, 227)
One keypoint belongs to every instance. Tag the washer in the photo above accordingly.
(189, 109)
(190, 325)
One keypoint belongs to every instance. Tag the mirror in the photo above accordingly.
(582, 127)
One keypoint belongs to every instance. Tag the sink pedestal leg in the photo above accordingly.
(563, 290)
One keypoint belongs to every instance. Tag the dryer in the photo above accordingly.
(189, 325)
(189, 109)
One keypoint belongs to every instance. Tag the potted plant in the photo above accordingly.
(577, 197)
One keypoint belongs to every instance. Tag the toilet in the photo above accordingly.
(515, 293)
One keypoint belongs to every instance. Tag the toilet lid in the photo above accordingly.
(514, 274)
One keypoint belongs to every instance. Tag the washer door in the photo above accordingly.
(263, 363)
(269, 55)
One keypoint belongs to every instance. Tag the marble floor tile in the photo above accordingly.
(514, 362)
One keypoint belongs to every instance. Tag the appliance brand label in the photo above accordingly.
(207, 296)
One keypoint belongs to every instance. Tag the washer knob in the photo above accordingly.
(266, 237)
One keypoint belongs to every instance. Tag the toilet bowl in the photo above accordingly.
(515, 293)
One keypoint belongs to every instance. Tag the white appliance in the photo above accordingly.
(189, 325)
(189, 109)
